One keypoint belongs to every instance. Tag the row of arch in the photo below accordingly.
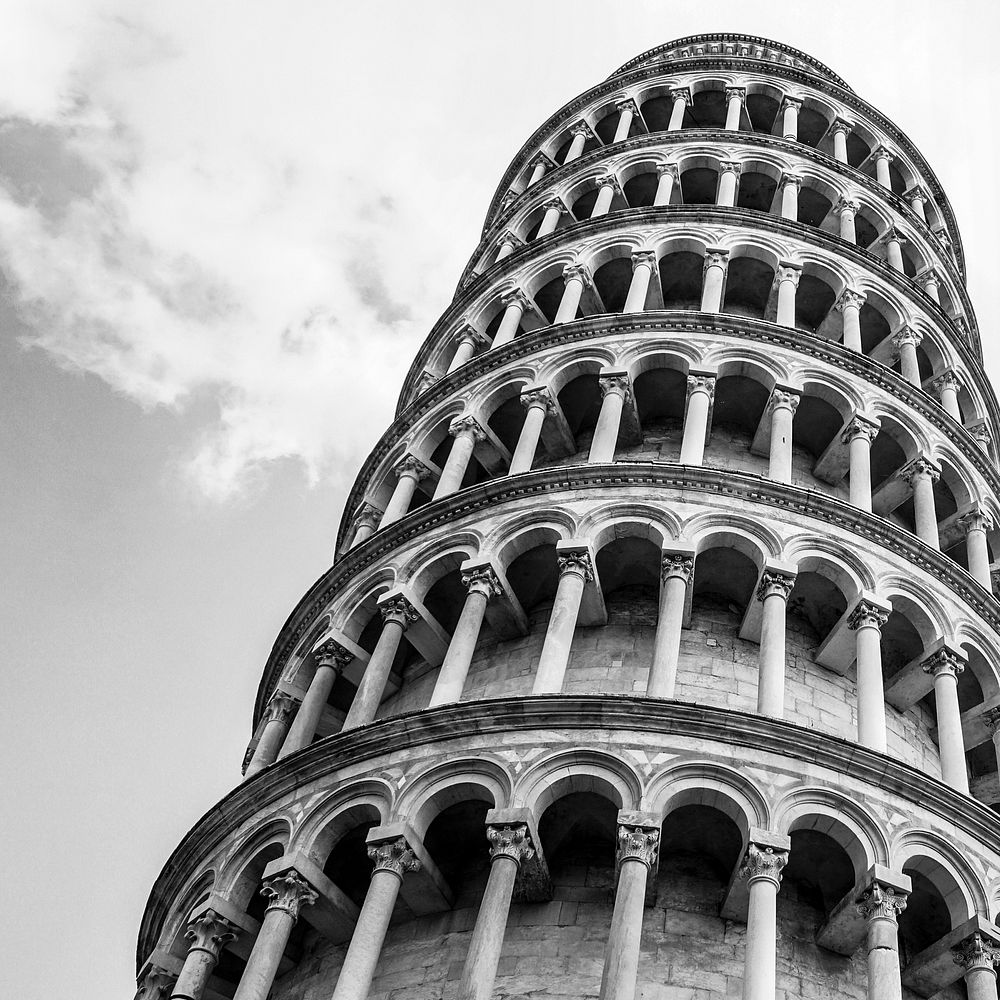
(706, 108)
(758, 188)
(445, 807)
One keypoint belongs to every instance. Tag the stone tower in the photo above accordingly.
(659, 657)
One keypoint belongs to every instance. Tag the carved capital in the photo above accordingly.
(914, 195)
(539, 396)
(920, 467)
(367, 515)
(156, 983)
(859, 427)
(425, 381)
(981, 435)
(842, 125)
(515, 297)
(976, 952)
(580, 271)
(716, 257)
(627, 104)
(867, 615)
(891, 235)
(681, 94)
(512, 238)
(280, 707)
(763, 862)
(731, 167)
(943, 661)
(581, 128)
(991, 720)
(788, 178)
(850, 299)
(774, 583)
(288, 891)
(510, 841)
(578, 562)
(647, 257)
(847, 205)
(482, 580)
(637, 843)
(881, 903)
(555, 204)
(410, 465)
(675, 565)
(784, 398)
(882, 153)
(791, 102)
(943, 238)
(508, 199)
(788, 271)
(467, 425)
(399, 610)
(394, 856)
(210, 933)
(947, 380)
(734, 92)
(906, 335)
(332, 654)
(701, 383)
(667, 168)
(470, 335)
(608, 180)
(617, 385)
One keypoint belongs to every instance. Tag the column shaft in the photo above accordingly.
(369, 694)
(677, 113)
(642, 273)
(538, 172)
(734, 106)
(602, 447)
(550, 220)
(576, 146)
(882, 169)
(479, 973)
(605, 195)
(461, 649)
(402, 497)
(667, 644)
(664, 188)
(771, 675)
(527, 442)
(559, 634)
(848, 230)
(871, 688)
(466, 348)
(981, 984)
(852, 326)
(457, 464)
(262, 966)
(790, 120)
(883, 959)
(621, 957)
(269, 746)
(696, 424)
(951, 744)
(303, 728)
(507, 330)
(786, 301)
(860, 475)
(569, 304)
(194, 976)
(624, 123)
(924, 510)
(780, 461)
(894, 254)
(840, 145)
(979, 555)
(726, 195)
(711, 293)
(759, 973)
(790, 200)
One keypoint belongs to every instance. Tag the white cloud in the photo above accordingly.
(179, 224)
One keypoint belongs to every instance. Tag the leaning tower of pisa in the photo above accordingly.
(659, 658)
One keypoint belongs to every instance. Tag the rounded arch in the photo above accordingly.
(528, 529)
(608, 522)
(357, 604)
(985, 665)
(578, 771)
(242, 870)
(919, 606)
(438, 558)
(196, 891)
(711, 529)
(943, 866)
(339, 812)
(829, 558)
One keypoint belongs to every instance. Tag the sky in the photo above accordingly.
(225, 229)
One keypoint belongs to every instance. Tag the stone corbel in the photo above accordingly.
(937, 966)
(736, 901)
(838, 650)
(533, 883)
(424, 889)
(844, 929)
(332, 914)
(761, 445)
(753, 617)
(592, 609)
(504, 614)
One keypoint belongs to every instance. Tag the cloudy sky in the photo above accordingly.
(224, 229)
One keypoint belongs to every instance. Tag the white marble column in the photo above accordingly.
(735, 96)
(977, 523)
(790, 117)
(867, 620)
(397, 614)
(635, 856)
(916, 198)
(930, 281)
(581, 133)
(893, 244)
(575, 571)
(841, 129)
(675, 571)
(906, 340)
(849, 305)
(881, 906)
(667, 173)
(945, 665)
(882, 160)
(981, 435)
(393, 860)
(700, 392)
(480, 584)
(714, 278)
(858, 435)
(538, 168)
(554, 211)
(783, 403)
(790, 185)
(287, 894)
(515, 302)
(508, 244)
(538, 403)
(466, 432)
(681, 97)
(787, 279)
(979, 958)
(617, 391)
(773, 591)
(922, 474)
(643, 265)
(762, 869)
(846, 210)
(626, 113)
(366, 522)
(729, 176)
(947, 386)
(278, 713)
(331, 658)
(576, 277)
(468, 340)
(510, 847)
(409, 472)
(208, 934)
(607, 188)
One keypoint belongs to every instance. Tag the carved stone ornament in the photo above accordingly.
(511, 238)
(368, 515)
(399, 610)
(510, 841)
(538, 396)
(795, 179)
(701, 383)
(581, 128)
(906, 335)
(731, 167)
(859, 427)
(842, 125)
(482, 580)
(394, 856)
(289, 892)
(787, 271)
(920, 467)
(332, 654)
(647, 257)
(849, 298)
(947, 380)
(943, 661)
(732, 92)
(676, 565)
(784, 398)
(280, 707)
(680, 94)
(773, 584)
(576, 562)
(847, 205)
(977, 520)
(156, 984)
(667, 168)
(637, 843)
(411, 466)
(716, 257)
(618, 385)
(882, 153)
(210, 933)
(627, 104)
(991, 720)
(981, 435)
(467, 425)
(867, 615)
(469, 334)
(515, 297)
(555, 204)
(508, 199)
(891, 235)
(607, 180)
(881, 903)
(763, 863)
(977, 953)
(426, 380)
(791, 102)
(580, 271)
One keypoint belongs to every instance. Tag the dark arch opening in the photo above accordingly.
(612, 281)
(680, 280)
(756, 192)
(814, 299)
(698, 186)
(748, 287)
(640, 191)
(813, 207)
